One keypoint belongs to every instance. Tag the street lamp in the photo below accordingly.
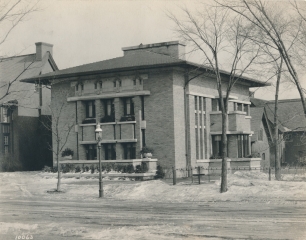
(98, 132)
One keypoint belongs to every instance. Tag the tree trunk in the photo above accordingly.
(276, 138)
(224, 153)
(58, 174)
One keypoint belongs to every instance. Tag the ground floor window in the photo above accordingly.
(243, 145)
(217, 146)
(91, 152)
(129, 151)
(110, 151)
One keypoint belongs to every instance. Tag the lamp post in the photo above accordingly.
(98, 132)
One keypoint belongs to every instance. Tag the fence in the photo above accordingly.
(198, 174)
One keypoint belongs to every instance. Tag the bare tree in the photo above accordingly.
(60, 133)
(13, 13)
(214, 33)
(271, 22)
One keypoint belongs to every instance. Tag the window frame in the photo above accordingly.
(87, 109)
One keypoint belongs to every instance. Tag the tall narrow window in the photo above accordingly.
(260, 135)
(101, 84)
(96, 85)
(6, 140)
(195, 103)
(217, 146)
(82, 86)
(110, 151)
(4, 114)
(90, 109)
(243, 145)
(77, 87)
(5, 129)
(120, 83)
(91, 152)
(129, 151)
(129, 106)
(134, 82)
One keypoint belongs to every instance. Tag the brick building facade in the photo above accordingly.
(146, 98)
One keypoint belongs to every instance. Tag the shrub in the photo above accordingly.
(254, 155)
(67, 152)
(69, 167)
(86, 168)
(54, 169)
(141, 168)
(77, 169)
(160, 174)
(47, 169)
(146, 150)
(130, 168)
(92, 168)
(215, 157)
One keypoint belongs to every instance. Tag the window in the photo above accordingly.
(129, 151)
(120, 83)
(246, 108)
(90, 109)
(5, 129)
(101, 84)
(239, 106)
(77, 87)
(134, 82)
(128, 106)
(109, 107)
(110, 151)
(243, 145)
(6, 140)
(4, 115)
(260, 135)
(195, 103)
(217, 146)
(215, 104)
(140, 81)
(82, 86)
(91, 152)
(6, 149)
(263, 156)
(114, 84)
(96, 85)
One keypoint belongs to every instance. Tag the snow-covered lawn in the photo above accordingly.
(242, 186)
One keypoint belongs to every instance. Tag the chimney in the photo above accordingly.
(41, 49)
(174, 49)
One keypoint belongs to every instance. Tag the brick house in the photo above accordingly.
(22, 110)
(147, 98)
(262, 139)
(291, 129)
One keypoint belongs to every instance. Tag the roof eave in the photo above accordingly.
(79, 74)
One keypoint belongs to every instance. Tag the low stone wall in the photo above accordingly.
(234, 164)
(151, 163)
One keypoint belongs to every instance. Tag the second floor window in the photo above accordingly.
(90, 109)
(5, 129)
(109, 107)
(4, 114)
(129, 106)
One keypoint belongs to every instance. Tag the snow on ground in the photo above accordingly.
(242, 186)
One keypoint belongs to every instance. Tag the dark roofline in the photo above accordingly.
(285, 100)
(164, 65)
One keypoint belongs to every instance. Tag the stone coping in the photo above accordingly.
(65, 175)
(228, 160)
(109, 161)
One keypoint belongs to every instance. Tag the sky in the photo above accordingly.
(85, 31)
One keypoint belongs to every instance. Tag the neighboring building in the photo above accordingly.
(292, 129)
(147, 98)
(22, 110)
(262, 138)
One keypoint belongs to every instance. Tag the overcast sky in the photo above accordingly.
(85, 31)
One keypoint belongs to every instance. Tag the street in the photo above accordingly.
(119, 219)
